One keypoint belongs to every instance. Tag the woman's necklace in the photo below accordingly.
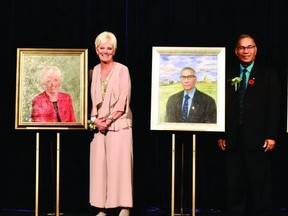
(105, 82)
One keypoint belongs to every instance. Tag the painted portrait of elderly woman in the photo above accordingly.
(52, 105)
(51, 89)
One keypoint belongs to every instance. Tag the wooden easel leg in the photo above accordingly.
(182, 182)
(57, 213)
(173, 176)
(182, 178)
(37, 176)
(194, 176)
(58, 176)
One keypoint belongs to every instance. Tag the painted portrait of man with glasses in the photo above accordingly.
(188, 88)
(190, 105)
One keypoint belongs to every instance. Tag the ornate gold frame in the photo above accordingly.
(73, 64)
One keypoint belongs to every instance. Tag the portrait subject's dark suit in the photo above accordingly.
(202, 110)
(244, 143)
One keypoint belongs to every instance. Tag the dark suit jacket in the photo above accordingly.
(261, 107)
(203, 108)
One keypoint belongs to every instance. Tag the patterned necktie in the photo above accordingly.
(242, 89)
(185, 108)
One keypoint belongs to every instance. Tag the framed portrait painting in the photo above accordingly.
(208, 64)
(51, 89)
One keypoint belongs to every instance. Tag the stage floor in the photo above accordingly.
(153, 211)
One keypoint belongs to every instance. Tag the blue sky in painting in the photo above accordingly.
(171, 65)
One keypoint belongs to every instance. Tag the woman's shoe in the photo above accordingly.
(101, 213)
(124, 212)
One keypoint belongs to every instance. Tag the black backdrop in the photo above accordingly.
(138, 25)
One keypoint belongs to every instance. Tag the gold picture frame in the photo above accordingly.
(167, 62)
(73, 66)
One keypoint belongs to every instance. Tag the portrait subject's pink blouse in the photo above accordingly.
(43, 109)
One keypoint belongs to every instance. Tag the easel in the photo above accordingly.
(57, 213)
(193, 178)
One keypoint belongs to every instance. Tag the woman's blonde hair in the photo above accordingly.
(104, 37)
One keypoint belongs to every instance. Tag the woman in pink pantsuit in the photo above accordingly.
(111, 150)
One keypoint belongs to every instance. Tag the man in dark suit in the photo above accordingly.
(251, 132)
(199, 107)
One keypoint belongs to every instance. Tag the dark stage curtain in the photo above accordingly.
(139, 25)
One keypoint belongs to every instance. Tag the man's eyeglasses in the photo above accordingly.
(242, 48)
(189, 77)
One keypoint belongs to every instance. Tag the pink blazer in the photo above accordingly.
(117, 97)
(43, 109)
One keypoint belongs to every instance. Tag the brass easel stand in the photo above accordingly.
(193, 178)
(57, 213)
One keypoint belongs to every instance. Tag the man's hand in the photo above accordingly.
(222, 144)
(269, 144)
